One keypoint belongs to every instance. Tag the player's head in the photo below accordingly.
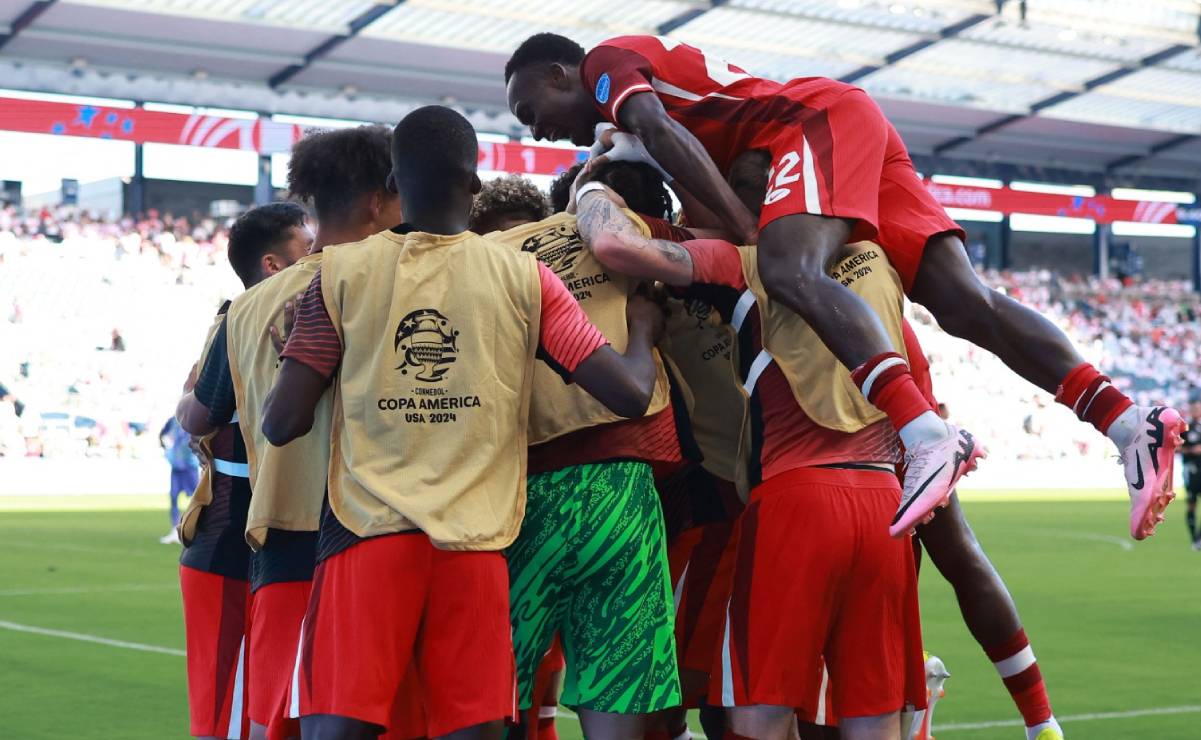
(343, 176)
(639, 185)
(748, 178)
(542, 80)
(434, 156)
(267, 239)
(560, 188)
(506, 202)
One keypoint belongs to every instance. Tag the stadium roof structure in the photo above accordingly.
(1108, 87)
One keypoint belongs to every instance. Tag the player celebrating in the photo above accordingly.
(590, 562)
(342, 174)
(433, 332)
(1191, 455)
(214, 566)
(840, 173)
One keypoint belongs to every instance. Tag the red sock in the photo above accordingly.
(886, 383)
(1091, 397)
(546, 727)
(1014, 660)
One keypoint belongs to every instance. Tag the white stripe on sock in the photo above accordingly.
(875, 373)
(1016, 663)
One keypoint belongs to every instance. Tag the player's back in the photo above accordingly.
(725, 107)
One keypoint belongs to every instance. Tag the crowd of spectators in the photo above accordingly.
(104, 318)
(102, 322)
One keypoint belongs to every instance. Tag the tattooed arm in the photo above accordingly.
(618, 244)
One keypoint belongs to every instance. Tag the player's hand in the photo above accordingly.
(601, 143)
(643, 314)
(625, 147)
(278, 340)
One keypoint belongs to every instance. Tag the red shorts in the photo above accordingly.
(276, 613)
(702, 568)
(214, 615)
(387, 604)
(846, 160)
(815, 575)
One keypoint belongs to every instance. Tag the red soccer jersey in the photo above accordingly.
(726, 109)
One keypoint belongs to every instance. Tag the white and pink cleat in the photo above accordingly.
(1148, 460)
(931, 471)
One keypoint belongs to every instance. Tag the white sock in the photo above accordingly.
(1032, 732)
(926, 428)
(1123, 428)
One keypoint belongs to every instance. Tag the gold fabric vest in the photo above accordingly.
(703, 351)
(203, 495)
(287, 483)
(558, 408)
(432, 400)
(802, 356)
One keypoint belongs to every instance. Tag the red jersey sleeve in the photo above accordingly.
(716, 262)
(661, 228)
(612, 74)
(565, 337)
(314, 340)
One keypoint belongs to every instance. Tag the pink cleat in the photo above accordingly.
(1148, 460)
(931, 471)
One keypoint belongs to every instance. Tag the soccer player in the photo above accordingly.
(185, 471)
(214, 565)
(987, 607)
(507, 202)
(342, 175)
(433, 332)
(590, 563)
(1191, 455)
(840, 173)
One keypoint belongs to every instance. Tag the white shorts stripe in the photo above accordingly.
(745, 302)
(813, 198)
(1016, 663)
(820, 717)
(875, 373)
(762, 360)
(727, 669)
(294, 695)
(679, 594)
(235, 706)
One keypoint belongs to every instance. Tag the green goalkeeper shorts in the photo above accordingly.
(591, 564)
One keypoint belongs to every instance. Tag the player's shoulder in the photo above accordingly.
(646, 45)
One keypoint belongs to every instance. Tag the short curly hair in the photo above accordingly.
(544, 48)
(330, 170)
(506, 196)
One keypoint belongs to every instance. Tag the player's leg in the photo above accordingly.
(1190, 513)
(537, 561)
(825, 188)
(1033, 347)
(277, 613)
(618, 637)
(540, 717)
(791, 556)
(874, 654)
(989, 613)
(466, 623)
(359, 634)
(215, 618)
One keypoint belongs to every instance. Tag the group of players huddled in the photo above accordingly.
(480, 450)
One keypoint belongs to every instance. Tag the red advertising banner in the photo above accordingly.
(143, 126)
(1100, 208)
(267, 136)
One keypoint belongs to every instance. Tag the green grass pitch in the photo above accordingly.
(1116, 627)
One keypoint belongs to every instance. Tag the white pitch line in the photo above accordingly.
(965, 726)
(87, 589)
(30, 629)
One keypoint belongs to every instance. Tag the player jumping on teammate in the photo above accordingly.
(840, 173)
